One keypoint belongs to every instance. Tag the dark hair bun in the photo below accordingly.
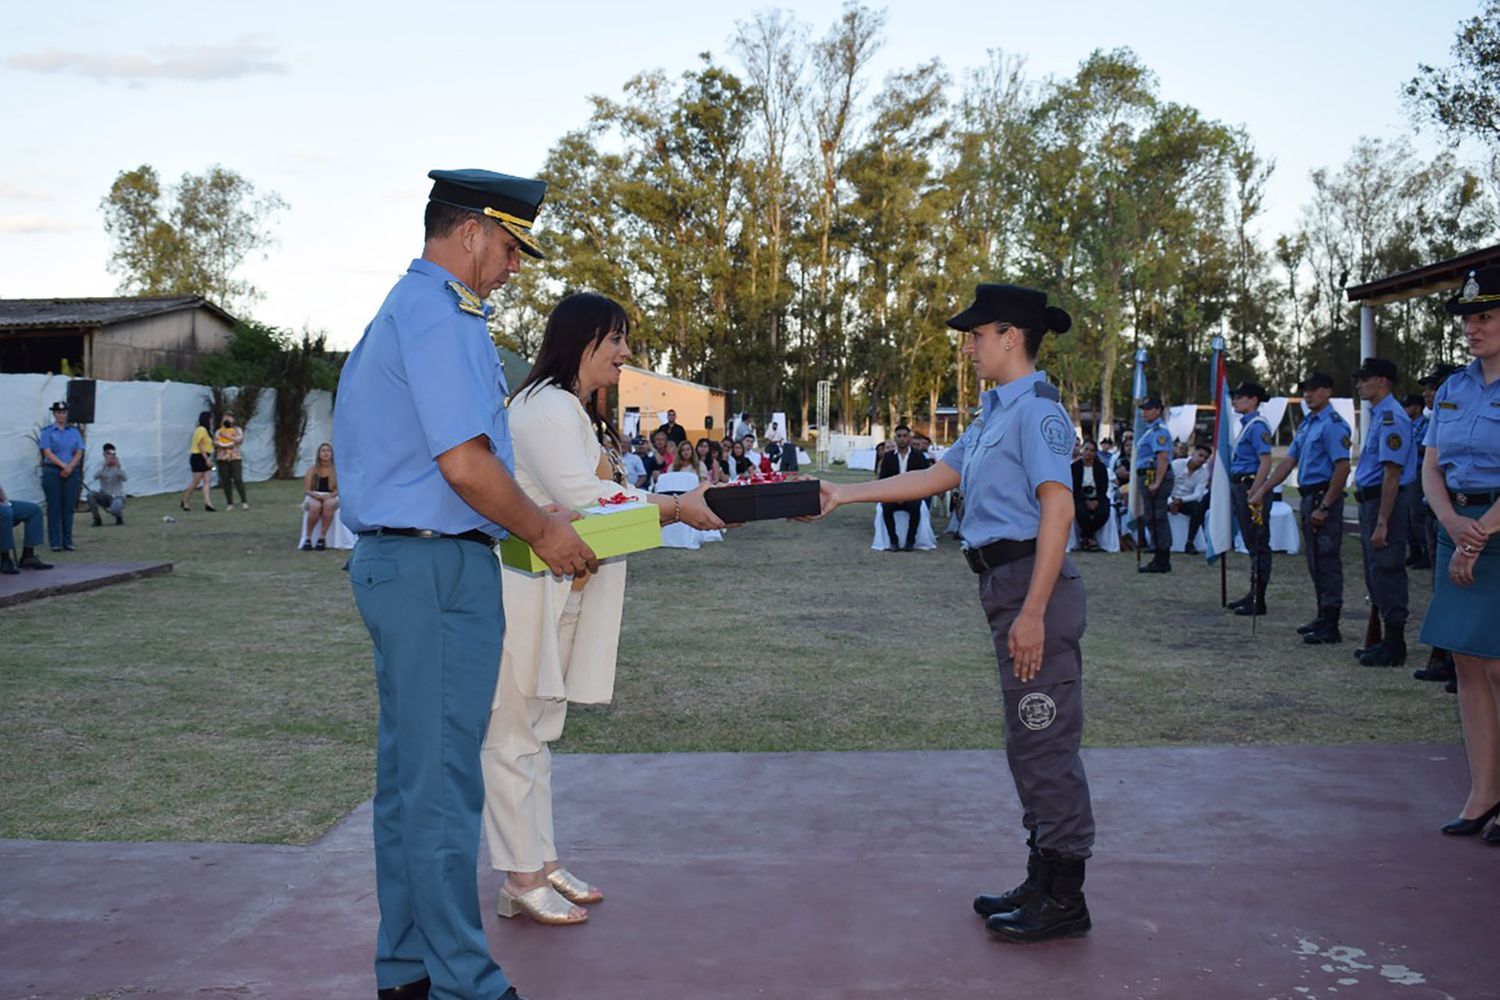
(1058, 321)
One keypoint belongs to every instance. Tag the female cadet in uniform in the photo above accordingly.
(561, 633)
(1015, 471)
(1461, 477)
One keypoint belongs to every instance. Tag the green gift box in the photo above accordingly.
(608, 531)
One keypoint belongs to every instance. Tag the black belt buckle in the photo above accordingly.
(975, 558)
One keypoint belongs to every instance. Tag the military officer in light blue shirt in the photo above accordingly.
(1153, 472)
(1418, 555)
(1383, 477)
(1320, 454)
(61, 448)
(1249, 464)
(1015, 469)
(425, 462)
(1461, 477)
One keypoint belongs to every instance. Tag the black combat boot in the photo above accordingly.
(1389, 652)
(1439, 667)
(987, 906)
(1242, 602)
(1159, 564)
(1359, 654)
(1057, 909)
(1329, 633)
(8, 567)
(1312, 626)
(1253, 607)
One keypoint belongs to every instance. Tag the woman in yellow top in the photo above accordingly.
(199, 454)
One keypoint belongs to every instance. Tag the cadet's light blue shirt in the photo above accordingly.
(424, 378)
(1154, 438)
(1465, 430)
(1021, 441)
(1387, 441)
(1253, 442)
(1419, 435)
(1321, 440)
(64, 443)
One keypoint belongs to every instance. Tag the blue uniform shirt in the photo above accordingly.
(1419, 435)
(63, 443)
(1154, 438)
(1321, 440)
(424, 378)
(1465, 429)
(1388, 440)
(1021, 441)
(1253, 442)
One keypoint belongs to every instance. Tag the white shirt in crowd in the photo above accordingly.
(635, 469)
(902, 457)
(1188, 485)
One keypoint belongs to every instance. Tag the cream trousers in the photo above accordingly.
(517, 764)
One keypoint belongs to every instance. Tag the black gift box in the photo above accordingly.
(738, 503)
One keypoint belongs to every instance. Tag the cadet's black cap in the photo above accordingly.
(1150, 403)
(1479, 293)
(1023, 307)
(1250, 389)
(1439, 375)
(1316, 380)
(1413, 399)
(1377, 368)
(59, 405)
(511, 201)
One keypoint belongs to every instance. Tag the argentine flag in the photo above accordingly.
(1219, 538)
(1137, 393)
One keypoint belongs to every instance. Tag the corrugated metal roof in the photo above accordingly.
(30, 314)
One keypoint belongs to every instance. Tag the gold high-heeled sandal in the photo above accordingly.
(542, 904)
(574, 889)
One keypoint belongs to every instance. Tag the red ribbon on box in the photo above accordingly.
(616, 500)
(757, 479)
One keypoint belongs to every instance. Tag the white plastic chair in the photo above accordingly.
(339, 537)
(1108, 535)
(1284, 534)
(926, 541)
(679, 535)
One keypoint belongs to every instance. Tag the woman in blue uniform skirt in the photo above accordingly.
(1461, 477)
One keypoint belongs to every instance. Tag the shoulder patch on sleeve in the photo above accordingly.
(1046, 390)
(1345, 440)
(1265, 437)
(1161, 437)
(1057, 434)
(1393, 442)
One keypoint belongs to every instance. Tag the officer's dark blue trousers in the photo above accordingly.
(1257, 537)
(1044, 718)
(62, 499)
(29, 514)
(1325, 560)
(1385, 569)
(433, 610)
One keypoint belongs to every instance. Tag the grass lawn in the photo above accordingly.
(233, 699)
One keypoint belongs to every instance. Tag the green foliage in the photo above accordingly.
(1464, 99)
(187, 240)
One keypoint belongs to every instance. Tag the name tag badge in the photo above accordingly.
(1454, 406)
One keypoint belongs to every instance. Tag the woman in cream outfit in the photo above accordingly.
(561, 633)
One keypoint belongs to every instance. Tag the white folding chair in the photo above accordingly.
(926, 541)
(339, 537)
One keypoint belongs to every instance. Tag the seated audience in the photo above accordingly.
(750, 450)
(737, 465)
(879, 455)
(717, 472)
(321, 501)
(1190, 482)
(29, 515)
(686, 460)
(704, 449)
(1107, 453)
(635, 463)
(663, 452)
(110, 495)
(1091, 508)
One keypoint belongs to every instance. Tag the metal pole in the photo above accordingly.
(1368, 348)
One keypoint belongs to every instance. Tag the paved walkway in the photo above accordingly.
(70, 578)
(1281, 872)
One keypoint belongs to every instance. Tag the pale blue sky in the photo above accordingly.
(342, 107)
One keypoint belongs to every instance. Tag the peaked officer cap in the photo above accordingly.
(1377, 368)
(511, 201)
(1023, 307)
(1316, 380)
(1250, 389)
(1479, 293)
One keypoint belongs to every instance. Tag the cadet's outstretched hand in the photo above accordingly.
(693, 510)
(828, 495)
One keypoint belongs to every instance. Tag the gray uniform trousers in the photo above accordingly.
(1385, 569)
(1325, 561)
(1154, 511)
(1257, 537)
(1044, 719)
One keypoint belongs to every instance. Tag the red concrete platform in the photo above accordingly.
(70, 578)
(1286, 872)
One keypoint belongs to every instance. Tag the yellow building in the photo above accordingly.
(701, 409)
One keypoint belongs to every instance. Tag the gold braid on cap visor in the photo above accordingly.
(516, 226)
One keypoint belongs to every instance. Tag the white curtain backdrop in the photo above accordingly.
(149, 423)
(1180, 420)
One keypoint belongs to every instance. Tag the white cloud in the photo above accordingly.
(244, 57)
(35, 224)
(15, 192)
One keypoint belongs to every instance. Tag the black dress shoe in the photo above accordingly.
(1461, 827)
(1385, 653)
(7, 565)
(408, 991)
(1437, 669)
(32, 562)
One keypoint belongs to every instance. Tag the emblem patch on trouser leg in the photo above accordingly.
(1036, 711)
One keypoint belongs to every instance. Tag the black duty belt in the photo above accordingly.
(1464, 498)
(1308, 489)
(1366, 493)
(997, 554)
(1242, 478)
(468, 536)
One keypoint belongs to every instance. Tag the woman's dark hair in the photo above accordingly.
(578, 323)
(716, 451)
(206, 420)
(737, 454)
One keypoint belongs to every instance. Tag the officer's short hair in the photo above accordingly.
(109, 447)
(440, 220)
(902, 427)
